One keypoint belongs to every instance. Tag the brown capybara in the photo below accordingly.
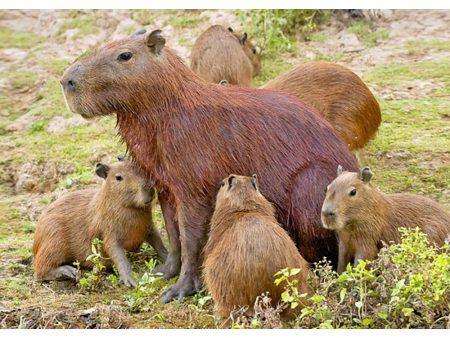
(340, 96)
(246, 247)
(119, 213)
(221, 54)
(363, 217)
(186, 134)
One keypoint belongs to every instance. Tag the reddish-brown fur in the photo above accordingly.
(119, 213)
(246, 247)
(340, 96)
(187, 134)
(218, 54)
(363, 220)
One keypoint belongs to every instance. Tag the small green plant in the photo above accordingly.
(366, 35)
(275, 29)
(142, 297)
(37, 126)
(407, 286)
(291, 295)
(91, 280)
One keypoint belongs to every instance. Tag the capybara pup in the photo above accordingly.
(119, 213)
(221, 54)
(186, 134)
(246, 247)
(363, 216)
(340, 96)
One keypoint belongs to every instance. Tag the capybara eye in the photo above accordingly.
(254, 50)
(119, 178)
(222, 184)
(125, 56)
(353, 192)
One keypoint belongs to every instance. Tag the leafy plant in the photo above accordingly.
(275, 29)
(91, 280)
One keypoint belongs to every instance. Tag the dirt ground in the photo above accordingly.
(403, 56)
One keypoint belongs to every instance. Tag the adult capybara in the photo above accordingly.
(246, 247)
(119, 213)
(186, 134)
(219, 53)
(340, 96)
(363, 216)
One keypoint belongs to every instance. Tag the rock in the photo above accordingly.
(22, 123)
(59, 123)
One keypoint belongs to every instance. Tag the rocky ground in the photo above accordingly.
(404, 57)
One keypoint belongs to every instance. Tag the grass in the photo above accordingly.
(19, 78)
(185, 20)
(366, 35)
(272, 66)
(84, 25)
(20, 40)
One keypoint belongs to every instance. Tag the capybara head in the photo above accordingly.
(123, 185)
(109, 78)
(345, 198)
(253, 53)
(241, 193)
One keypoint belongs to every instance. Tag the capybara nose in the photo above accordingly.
(327, 212)
(69, 84)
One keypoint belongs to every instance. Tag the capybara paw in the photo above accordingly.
(169, 269)
(127, 280)
(183, 287)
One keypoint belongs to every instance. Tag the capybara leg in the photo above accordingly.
(344, 258)
(307, 195)
(154, 239)
(192, 240)
(172, 265)
(117, 253)
(62, 272)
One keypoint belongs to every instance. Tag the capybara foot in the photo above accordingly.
(169, 269)
(127, 280)
(185, 286)
(61, 273)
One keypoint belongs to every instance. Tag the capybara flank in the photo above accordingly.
(119, 213)
(221, 54)
(186, 134)
(340, 96)
(246, 247)
(364, 217)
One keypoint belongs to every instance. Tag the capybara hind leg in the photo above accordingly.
(172, 265)
(307, 195)
(60, 273)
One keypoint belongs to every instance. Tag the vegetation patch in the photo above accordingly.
(21, 40)
(368, 37)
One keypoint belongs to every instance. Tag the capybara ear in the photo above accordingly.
(339, 170)
(232, 180)
(101, 170)
(242, 38)
(139, 32)
(366, 174)
(121, 158)
(156, 42)
(254, 181)
(230, 29)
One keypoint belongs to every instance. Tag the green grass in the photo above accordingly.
(21, 40)
(337, 57)
(185, 20)
(19, 78)
(85, 25)
(272, 66)
(366, 35)
(55, 67)
(427, 45)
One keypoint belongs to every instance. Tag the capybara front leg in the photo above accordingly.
(344, 258)
(172, 265)
(154, 239)
(192, 241)
(117, 253)
(62, 272)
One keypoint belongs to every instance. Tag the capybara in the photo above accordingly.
(364, 217)
(340, 96)
(221, 54)
(119, 213)
(187, 134)
(246, 247)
